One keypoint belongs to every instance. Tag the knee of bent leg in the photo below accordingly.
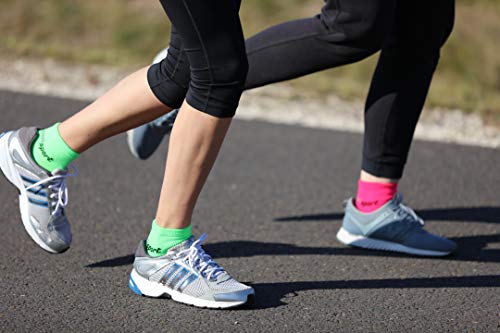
(365, 27)
(218, 89)
(233, 71)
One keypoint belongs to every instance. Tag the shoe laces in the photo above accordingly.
(198, 259)
(405, 210)
(56, 183)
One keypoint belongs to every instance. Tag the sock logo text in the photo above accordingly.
(151, 249)
(41, 147)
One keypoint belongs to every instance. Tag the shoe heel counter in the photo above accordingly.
(349, 223)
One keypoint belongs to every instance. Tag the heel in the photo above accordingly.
(6, 164)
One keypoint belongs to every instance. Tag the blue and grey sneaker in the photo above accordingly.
(187, 275)
(144, 140)
(42, 195)
(393, 227)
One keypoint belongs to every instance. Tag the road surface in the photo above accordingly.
(271, 209)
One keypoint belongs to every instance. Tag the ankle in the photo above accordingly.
(161, 239)
(372, 195)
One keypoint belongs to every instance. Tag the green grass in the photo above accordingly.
(129, 32)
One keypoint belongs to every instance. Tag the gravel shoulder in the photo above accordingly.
(274, 104)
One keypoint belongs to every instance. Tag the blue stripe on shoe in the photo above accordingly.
(29, 180)
(38, 192)
(187, 282)
(174, 268)
(133, 286)
(38, 202)
(2, 134)
(178, 277)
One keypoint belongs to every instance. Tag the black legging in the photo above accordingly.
(207, 64)
(410, 35)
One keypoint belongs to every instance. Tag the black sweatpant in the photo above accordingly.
(410, 35)
(207, 63)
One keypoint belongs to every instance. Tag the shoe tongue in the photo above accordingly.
(182, 246)
(59, 172)
(397, 199)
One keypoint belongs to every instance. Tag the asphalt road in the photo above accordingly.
(271, 208)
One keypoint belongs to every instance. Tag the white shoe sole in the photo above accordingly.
(345, 237)
(10, 172)
(142, 286)
(130, 141)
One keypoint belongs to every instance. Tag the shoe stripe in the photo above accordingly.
(2, 134)
(132, 285)
(178, 276)
(169, 273)
(38, 192)
(190, 279)
(29, 180)
(38, 202)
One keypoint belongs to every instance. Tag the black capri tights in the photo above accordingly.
(207, 35)
(409, 35)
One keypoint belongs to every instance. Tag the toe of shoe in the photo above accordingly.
(60, 238)
(431, 242)
(234, 296)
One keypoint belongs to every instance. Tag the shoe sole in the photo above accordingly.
(347, 238)
(10, 173)
(130, 142)
(143, 287)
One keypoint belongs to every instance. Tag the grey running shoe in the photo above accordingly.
(188, 275)
(144, 140)
(393, 227)
(42, 195)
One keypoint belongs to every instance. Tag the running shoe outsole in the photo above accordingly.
(143, 287)
(349, 239)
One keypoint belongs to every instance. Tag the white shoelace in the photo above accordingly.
(407, 210)
(57, 184)
(198, 259)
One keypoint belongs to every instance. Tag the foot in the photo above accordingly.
(188, 275)
(42, 195)
(144, 140)
(392, 227)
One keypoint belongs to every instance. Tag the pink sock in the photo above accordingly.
(372, 196)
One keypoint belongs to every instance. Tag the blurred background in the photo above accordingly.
(128, 33)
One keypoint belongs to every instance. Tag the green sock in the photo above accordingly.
(50, 151)
(161, 240)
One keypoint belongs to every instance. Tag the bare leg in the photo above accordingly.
(194, 145)
(367, 177)
(127, 105)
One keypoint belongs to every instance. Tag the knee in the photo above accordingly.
(365, 27)
(216, 89)
(231, 71)
(370, 32)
